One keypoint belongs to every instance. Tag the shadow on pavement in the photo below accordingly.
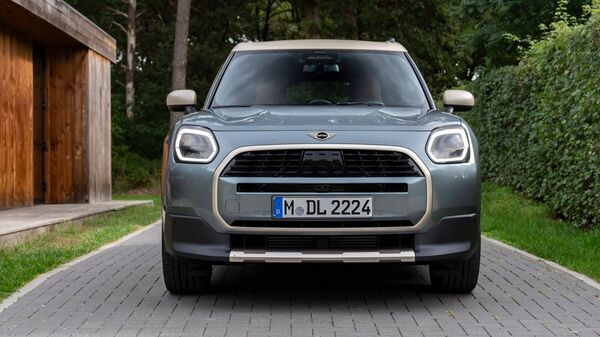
(269, 281)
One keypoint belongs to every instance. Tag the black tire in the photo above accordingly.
(455, 276)
(185, 278)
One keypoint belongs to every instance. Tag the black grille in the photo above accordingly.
(321, 243)
(322, 188)
(322, 163)
(321, 224)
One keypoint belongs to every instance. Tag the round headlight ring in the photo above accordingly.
(206, 134)
(437, 133)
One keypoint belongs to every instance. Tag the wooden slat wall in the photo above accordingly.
(99, 142)
(76, 123)
(65, 126)
(38, 118)
(16, 113)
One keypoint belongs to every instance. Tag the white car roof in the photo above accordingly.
(320, 45)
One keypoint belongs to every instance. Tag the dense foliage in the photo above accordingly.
(498, 30)
(538, 123)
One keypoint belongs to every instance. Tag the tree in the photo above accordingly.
(269, 13)
(496, 31)
(180, 47)
(311, 15)
(263, 33)
(130, 66)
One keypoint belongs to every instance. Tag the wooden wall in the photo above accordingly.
(65, 126)
(76, 128)
(38, 127)
(16, 113)
(77, 125)
(99, 143)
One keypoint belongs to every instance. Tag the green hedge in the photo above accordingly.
(538, 123)
(131, 171)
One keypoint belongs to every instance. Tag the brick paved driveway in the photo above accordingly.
(120, 292)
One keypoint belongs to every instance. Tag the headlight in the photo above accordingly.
(195, 145)
(448, 145)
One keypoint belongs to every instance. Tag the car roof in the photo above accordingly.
(320, 45)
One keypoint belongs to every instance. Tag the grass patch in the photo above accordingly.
(21, 263)
(528, 225)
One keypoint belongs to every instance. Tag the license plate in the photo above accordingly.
(319, 207)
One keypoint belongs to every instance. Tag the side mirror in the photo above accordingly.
(182, 100)
(458, 100)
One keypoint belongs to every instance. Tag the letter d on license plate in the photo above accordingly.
(320, 207)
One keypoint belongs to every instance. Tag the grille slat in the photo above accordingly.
(322, 163)
(321, 188)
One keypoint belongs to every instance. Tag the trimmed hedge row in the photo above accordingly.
(538, 123)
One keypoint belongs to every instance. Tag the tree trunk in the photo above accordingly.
(356, 15)
(265, 33)
(257, 20)
(131, 64)
(182, 26)
(312, 16)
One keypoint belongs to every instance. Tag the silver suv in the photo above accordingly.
(320, 151)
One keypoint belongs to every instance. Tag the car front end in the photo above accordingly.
(324, 183)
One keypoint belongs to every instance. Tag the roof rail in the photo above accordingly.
(391, 40)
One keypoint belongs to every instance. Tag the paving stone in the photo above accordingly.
(120, 292)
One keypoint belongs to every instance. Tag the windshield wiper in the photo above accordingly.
(378, 103)
(231, 106)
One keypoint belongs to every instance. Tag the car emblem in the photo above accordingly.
(322, 135)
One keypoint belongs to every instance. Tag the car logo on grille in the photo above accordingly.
(322, 135)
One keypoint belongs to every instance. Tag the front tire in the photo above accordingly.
(456, 276)
(183, 277)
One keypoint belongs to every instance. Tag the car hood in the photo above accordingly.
(319, 118)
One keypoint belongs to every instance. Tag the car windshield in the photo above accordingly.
(319, 78)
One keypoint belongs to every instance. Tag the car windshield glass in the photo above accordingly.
(320, 78)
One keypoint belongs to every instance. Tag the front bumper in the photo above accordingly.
(453, 237)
